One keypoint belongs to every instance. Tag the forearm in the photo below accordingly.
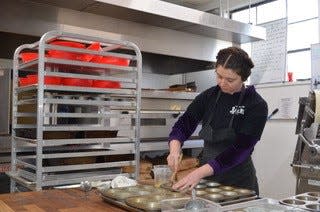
(175, 146)
(183, 128)
(205, 171)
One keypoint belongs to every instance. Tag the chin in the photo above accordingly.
(225, 90)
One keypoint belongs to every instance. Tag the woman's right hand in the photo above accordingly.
(174, 155)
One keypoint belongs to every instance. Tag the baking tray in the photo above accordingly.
(261, 205)
(223, 194)
(178, 204)
(218, 193)
(142, 203)
(120, 204)
(148, 198)
(132, 198)
(307, 201)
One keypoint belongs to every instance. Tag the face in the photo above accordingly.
(228, 80)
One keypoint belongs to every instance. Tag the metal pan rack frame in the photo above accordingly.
(74, 110)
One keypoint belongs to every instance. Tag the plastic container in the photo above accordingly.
(290, 76)
(162, 174)
(28, 56)
(88, 57)
(112, 61)
(23, 81)
(48, 80)
(77, 82)
(106, 84)
(63, 54)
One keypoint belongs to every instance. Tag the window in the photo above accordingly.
(302, 34)
(298, 63)
(302, 10)
(303, 29)
(267, 12)
(243, 16)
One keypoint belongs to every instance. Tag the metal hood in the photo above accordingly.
(168, 15)
(174, 39)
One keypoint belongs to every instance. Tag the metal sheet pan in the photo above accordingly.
(307, 201)
(264, 204)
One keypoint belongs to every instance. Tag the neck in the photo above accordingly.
(238, 90)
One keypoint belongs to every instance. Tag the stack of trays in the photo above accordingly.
(219, 193)
(307, 201)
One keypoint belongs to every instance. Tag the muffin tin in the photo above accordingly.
(179, 204)
(140, 197)
(120, 194)
(148, 198)
(216, 192)
(150, 202)
(306, 201)
(263, 205)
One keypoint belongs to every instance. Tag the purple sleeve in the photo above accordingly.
(183, 128)
(234, 155)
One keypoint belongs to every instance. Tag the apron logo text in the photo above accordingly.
(236, 110)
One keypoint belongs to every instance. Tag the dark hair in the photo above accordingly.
(236, 59)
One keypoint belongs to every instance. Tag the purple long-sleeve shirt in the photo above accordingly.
(232, 156)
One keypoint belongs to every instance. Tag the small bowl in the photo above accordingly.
(293, 202)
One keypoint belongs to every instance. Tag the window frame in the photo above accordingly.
(256, 5)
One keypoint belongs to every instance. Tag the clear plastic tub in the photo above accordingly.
(162, 174)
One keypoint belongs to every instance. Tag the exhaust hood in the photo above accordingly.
(167, 15)
(174, 39)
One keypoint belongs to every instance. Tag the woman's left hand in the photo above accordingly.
(192, 179)
(188, 182)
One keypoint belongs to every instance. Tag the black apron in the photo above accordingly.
(216, 141)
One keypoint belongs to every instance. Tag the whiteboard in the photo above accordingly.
(269, 56)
